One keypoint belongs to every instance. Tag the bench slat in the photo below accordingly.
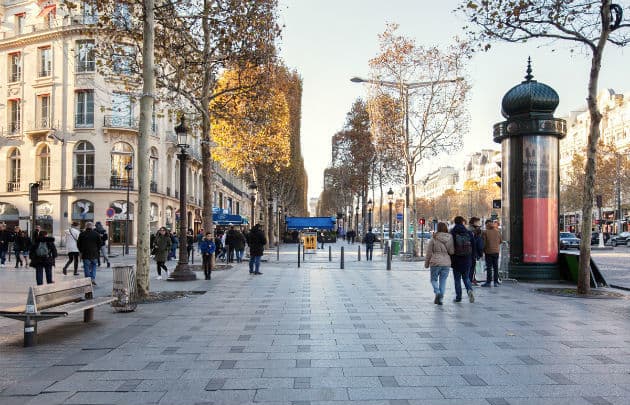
(52, 295)
(35, 317)
(83, 305)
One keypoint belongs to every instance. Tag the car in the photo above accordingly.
(568, 240)
(595, 238)
(621, 239)
(425, 235)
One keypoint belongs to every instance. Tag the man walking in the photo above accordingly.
(89, 244)
(462, 258)
(369, 240)
(5, 238)
(491, 247)
(256, 241)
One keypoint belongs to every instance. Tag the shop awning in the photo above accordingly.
(47, 10)
(310, 222)
(228, 219)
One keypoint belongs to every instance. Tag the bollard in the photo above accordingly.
(298, 254)
(342, 257)
(303, 254)
(278, 251)
(359, 254)
(330, 253)
(389, 258)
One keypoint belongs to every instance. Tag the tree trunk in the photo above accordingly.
(584, 272)
(143, 164)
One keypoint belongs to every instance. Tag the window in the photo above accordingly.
(43, 111)
(15, 171)
(15, 69)
(85, 56)
(122, 59)
(154, 169)
(43, 167)
(121, 16)
(83, 165)
(45, 61)
(20, 20)
(90, 14)
(121, 156)
(84, 116)
(122, 111)
(15, 116)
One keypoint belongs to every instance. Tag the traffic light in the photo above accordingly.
(598, 199)
(421, 221)
(496, 204)
(498, 173)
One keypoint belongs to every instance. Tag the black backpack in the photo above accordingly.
(463, 243)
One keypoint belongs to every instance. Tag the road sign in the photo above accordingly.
(110, 212)
(399, 217)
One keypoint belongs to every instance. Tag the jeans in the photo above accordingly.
(440, 272)
(39, 274)
(89, 268)
(207, 266)
(461, 275)
(492, 267)
(239, 255)
(72, 257)
(368, 251)
(254, 264)
(3, 254)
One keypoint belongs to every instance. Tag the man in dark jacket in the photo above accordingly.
(89, 244)
(461, 261)
(43, 257)
(369, 240)
(256, 240)
(5, 238)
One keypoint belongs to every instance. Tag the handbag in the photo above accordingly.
(480, 266)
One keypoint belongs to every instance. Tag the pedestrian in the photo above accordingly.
(492, 245)
(104, 241)
(160, 250)
(256, 241)
(462, 258)
(218, 245)
(190, 240)
(174, 246)
(230, 239)
(438, 260)
(89, 244)
(71, 238)
(239, 245)
(23, 243)
(207, 248)
(16, 247)
(42, 257)
(5, 237)
(474, 226)
(369, 240)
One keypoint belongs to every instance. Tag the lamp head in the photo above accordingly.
(390, 195)
(182, 133)
(52, 134)
(357, 80)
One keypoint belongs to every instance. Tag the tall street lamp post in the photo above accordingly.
(404, 88)
(356, 220)
(369, 207)
(253, 192)
(128, 169)
(182, 272)
(390, 200)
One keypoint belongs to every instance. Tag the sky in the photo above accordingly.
(327, 42)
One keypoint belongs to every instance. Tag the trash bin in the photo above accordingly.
(395, 246)
(124, 288)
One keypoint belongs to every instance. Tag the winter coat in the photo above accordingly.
(439, 249)
(72, 237)
(22, 244)
(492, 241)
(206, 247)
(477, 242)
(256, 240)
(101, 231)
(89, 244)
(461, 263)
(238, 242)
(161, 246)
(36, 261)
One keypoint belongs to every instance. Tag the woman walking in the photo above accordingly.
(438, 259)
(206, 248)
(21, 247)
(43, 253)
(72, 236)
(161, 248)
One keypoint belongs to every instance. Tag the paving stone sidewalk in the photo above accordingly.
(320, 335)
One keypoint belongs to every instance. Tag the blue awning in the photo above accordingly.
(310, 222)
(228, 219)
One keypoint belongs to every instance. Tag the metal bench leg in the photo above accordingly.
(88, 315)
(30, 332)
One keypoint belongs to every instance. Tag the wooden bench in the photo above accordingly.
(53, 301)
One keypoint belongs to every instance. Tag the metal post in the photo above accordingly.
(389, 256)
(422, 240)
(342, 264)
(109, 238)
(128, 169)
(298, 254)
(390, 221)
(359, 253)
(330, 253)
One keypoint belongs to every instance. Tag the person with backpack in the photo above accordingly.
(492, 245)
(89, 244)
(369, 240)
(42, 257)
(72, 236)
(104, 239)
(438, 260)
(462, 258)
(22, 246)
(256, 240)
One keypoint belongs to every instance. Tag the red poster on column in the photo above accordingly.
(540, 230)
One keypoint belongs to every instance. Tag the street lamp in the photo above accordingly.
(404, 86)
(390, 200)
(270, 220)
(253, 192)
(128, 169)
(369, 207)
(356, 220)
(182, 271)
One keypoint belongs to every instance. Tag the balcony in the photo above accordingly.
(83, 182)
(14, 128)
(42, 125)
(168, 191)
(44, 184)
(120, 183)
(153, 187)
(120, 122)
(43, 27)
(13, 186)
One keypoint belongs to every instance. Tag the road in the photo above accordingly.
(615, 265)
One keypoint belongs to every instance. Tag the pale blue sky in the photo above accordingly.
(328, 42)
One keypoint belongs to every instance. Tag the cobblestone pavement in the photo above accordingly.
(319, 335)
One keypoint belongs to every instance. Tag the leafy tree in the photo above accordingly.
(586, 24)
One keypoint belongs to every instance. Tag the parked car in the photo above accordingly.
(621, 239)
(568, 240)
(595, 238)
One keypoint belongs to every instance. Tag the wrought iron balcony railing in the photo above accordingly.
(153, 187)
(83, 182)
(114, 121)
(13, 186)
(119, 183)
(44, 184)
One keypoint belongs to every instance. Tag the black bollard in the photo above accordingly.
(359, 254)
(330, 253)
(342, 257)
(298, 255)
(389, 258)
